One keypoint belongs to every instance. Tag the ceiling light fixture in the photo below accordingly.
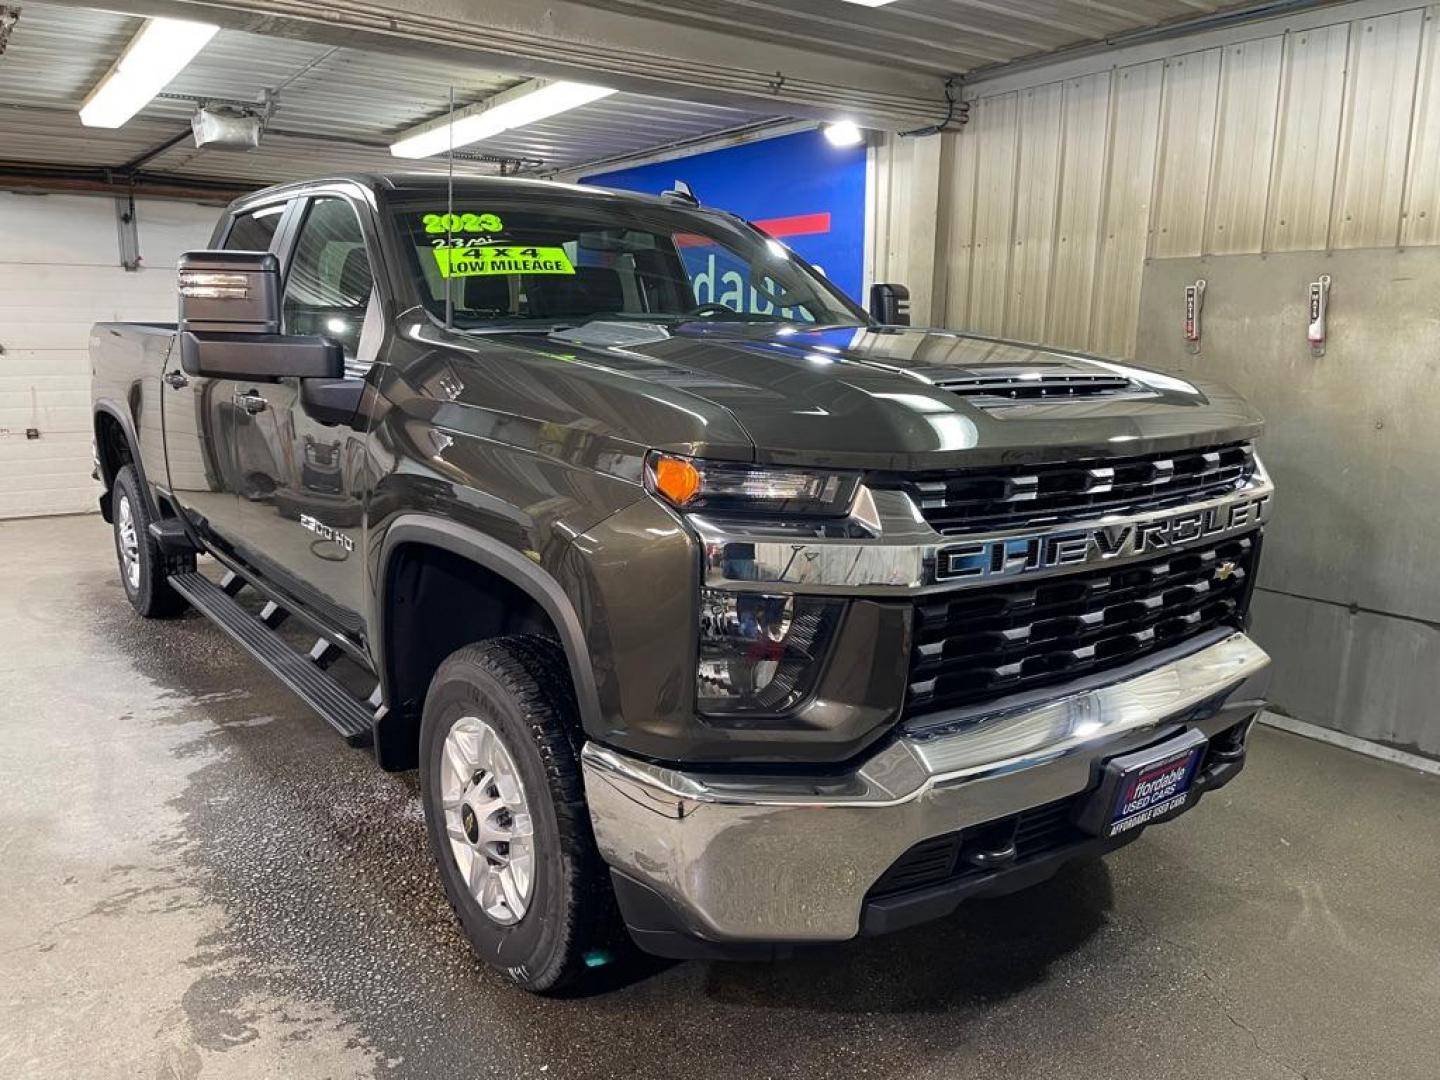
(154, 56)
(870, 3)
(525, 104)
(844, 133)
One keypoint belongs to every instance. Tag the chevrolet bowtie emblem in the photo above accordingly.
(1225, 571)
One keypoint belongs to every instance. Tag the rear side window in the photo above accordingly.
(255, 230)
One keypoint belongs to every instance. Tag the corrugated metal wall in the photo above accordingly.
(1075, 209)
(1327, 137)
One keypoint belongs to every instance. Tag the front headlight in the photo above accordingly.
(693, 484)
(760, 654)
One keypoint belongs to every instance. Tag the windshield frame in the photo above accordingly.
(397, 208)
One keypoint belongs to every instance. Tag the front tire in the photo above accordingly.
(144, 569)
(506, 816)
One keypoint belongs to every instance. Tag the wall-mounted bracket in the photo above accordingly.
(127, 228)
(1194, 304)
(1319, 308)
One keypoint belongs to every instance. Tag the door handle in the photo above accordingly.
(250, 401)
(176, 379)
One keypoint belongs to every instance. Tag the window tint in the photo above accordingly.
(254, 231)
(328, 286)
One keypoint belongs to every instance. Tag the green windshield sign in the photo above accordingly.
(493, 260)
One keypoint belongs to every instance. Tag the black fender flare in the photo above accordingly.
(504, 562)
(127, 429)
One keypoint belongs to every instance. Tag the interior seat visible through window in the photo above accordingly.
(329, 283)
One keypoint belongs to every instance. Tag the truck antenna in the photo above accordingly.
(450, 214)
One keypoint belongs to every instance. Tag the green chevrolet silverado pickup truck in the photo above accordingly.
(715, 611)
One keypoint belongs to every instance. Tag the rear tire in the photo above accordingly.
(144, 569)
(506, 816)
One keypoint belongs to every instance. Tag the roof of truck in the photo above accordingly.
(430, 183)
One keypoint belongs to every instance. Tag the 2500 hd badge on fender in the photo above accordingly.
(728, 624)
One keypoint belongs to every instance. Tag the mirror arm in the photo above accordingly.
(332, 401)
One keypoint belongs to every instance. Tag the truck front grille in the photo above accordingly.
(1017, 495)
(979, 644)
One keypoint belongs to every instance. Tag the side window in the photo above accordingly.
(255, 230)
(328, 287)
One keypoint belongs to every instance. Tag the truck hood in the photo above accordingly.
(887, 398)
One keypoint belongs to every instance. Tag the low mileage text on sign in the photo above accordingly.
(488, 260)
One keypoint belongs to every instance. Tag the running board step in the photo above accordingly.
(320, 691)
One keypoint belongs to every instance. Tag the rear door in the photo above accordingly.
(204, 426)
(305, 482)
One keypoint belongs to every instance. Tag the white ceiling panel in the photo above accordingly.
(335, 108)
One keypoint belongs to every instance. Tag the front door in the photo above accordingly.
(305, 482)
(204, 419)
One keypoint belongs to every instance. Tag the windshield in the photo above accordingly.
(507, 261)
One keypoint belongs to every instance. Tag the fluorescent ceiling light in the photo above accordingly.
(154, 56)
(870, 3)
(844, 133)
(525, 104)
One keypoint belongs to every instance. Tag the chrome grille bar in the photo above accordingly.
(1013, 637)
(1028, 495)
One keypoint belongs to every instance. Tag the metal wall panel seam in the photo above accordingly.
(995, 126)
(1015, 158)
(1281, 117)
(1425, 116)
(1243, 77)
(1420, 57)
(1107, 185)
(1176, 203)
(1081, 198)
(1129, 205)
(964, 170)
(1061, 153)
(1425, 134)
(1033, 223)
(1308, 84)
(1357, 168)
(1157, 178)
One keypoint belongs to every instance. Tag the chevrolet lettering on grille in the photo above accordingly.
(1015, 555)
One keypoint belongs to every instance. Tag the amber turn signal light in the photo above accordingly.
(675, 478)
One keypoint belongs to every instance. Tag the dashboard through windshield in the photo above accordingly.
(505, 261)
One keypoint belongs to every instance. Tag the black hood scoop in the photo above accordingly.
(996, 386)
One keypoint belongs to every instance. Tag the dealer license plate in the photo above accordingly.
(1145, 786)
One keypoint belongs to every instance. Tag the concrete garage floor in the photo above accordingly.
(200, 880)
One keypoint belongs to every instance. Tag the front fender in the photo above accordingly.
(504, 562)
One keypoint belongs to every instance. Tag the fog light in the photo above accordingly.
(760, 653)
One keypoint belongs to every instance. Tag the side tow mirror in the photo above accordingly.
(229, 292)
(230, 322)
(890, 304)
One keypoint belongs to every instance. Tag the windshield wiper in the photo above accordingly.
(526, 326)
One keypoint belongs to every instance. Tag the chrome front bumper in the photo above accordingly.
(750, 859)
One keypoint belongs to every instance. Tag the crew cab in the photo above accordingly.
(719, 614)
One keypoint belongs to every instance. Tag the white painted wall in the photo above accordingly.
(59, 272)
